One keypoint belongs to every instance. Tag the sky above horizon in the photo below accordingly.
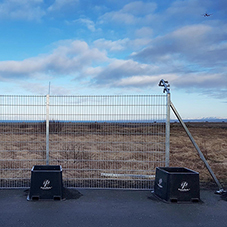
(85, 47)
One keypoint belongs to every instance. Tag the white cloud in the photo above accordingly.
(87, 22)
(121, 44)
(201, 80)
(145, 80)
(139, 8)
(92, 71)
(192, 35)
(144, 32)
(190, 43)
(111, 45)
(22, 10)
(89, 64)
(118, 17)
(188, 8)
(138, 43)
(214, 85)
(186, 52)
(60, 4)
(130, 13)
(33, 9)
(120, 69)
(69, 58)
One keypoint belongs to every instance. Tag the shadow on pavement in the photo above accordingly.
(67, 193)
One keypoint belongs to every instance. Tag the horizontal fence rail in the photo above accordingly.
(100, 141)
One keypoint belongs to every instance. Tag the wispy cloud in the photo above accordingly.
(144, 80)
(34, 10)
(121, 44)
(110, 45)
(87, 22)
(59, 5)
(130, 13)
(22, 10)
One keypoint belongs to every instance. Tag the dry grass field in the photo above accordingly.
(108, 147)
(97, 152)
(212, 141)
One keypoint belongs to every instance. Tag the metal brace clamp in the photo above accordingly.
(164, 83)
(220, 191)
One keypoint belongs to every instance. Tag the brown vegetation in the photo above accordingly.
(96, 146)
(212, 141)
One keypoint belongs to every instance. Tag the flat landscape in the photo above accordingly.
(211, 137)
(104, 152)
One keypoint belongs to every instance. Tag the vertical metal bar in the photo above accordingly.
(167, 129)
(196, 147)
(166, 86)
(47, 129)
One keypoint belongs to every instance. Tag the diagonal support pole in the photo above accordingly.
(221, 190)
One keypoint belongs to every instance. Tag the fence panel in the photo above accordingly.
(22, 138)
(108, 141)
(100, 141)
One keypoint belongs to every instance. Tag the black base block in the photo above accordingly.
(177, 184)
(46, 182)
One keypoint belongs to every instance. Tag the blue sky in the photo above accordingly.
(117, 47)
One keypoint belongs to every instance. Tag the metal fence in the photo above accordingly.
(100, 141)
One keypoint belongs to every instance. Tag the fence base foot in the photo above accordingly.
(46, 183)
(176, 184)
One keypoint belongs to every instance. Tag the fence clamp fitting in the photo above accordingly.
(220, 191)
(164, 83)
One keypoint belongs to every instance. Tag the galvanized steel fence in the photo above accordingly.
(100, 141)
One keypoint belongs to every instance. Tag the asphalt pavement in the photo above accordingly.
(103, 208)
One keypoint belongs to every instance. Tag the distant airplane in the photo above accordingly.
(207, 15)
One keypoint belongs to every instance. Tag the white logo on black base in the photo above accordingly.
(160, 183)
(46, 185)
(184, 187)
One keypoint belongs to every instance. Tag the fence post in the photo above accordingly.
(167, 129)
(166, 89)
(47, 129)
